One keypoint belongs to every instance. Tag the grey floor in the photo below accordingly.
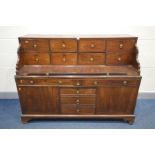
(10, 119)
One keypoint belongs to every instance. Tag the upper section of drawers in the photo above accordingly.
(81, 45)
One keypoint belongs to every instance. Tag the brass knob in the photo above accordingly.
(77, 100)
(47, 74)
(19, 89)
(63, 45)
(64, 59)
(26, 41)
(95, 82)
(91, 59)
(31, 82)
(121, 46)
(21, 81)
(119, 59)
(35, 45)
(125, 82)
(77, 91)
(92, 45)
(60, 82)
(78, 83)
(36, 59)
(77, 110)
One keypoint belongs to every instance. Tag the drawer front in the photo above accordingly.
(77, 100)
(91, 45)
(77, 91)
(119, 58)
(118, 45)
(63, 45)
(74, 109)
(64, 58)
(34, 58)
(91, 58)
(35, 44)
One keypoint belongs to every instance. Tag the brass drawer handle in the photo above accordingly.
(119, 59)
(31, 82)
(125, 82)
(77, 110)
(77, 100)
(63, 45)
(91, 59)
(92, 45)
(60, 82)
(64, 59)
(35, 45)
(95, 82)
(78, 83)
(19, 89)
(36, 59)
(121, 45)
(26, 41)
(21, 81)
(77, 91)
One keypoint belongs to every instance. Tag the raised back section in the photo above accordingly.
(118, 50)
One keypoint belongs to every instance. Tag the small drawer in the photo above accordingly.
(91, 45)
(64, 58)
(77, 91)
(35, 44)
(77, 100)
(118, 45)
(74, 109)
(119, 58)
(63, 45)
(91, 58)
(34, 58)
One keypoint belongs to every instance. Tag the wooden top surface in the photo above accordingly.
(37, 70)
(78, 36)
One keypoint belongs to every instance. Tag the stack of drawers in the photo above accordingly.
(77, 52)
(77, 100)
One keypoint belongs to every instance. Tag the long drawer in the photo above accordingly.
(77, 100)
(74, 109)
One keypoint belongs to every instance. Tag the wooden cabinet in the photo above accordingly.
(71, 77)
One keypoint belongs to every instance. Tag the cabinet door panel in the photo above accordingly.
(116, 100)
(38, 99)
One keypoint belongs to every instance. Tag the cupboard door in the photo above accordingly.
(38, 99)
(116, 100)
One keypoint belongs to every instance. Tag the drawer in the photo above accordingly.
(36, 81)
(64, 58)
(49, 81)
(119, 83)
(91, 45)
(77, 91)
(77, 99)
(118, 45)
(91, 58)
(74, 109)
(34, 58)
(119, 58)
(63, 45)
(35, 44)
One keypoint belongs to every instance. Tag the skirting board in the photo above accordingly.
(14, 95)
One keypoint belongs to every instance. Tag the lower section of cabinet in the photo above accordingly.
(87, 98)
